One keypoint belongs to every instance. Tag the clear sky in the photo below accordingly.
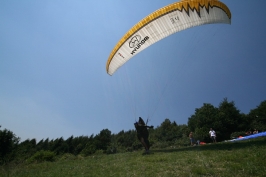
(53, 80)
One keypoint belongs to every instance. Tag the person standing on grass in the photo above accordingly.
(191, 138)
(212, 135)
(143, 133)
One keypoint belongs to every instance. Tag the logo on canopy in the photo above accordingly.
(134, 41)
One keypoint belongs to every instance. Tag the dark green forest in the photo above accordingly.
(226, 120)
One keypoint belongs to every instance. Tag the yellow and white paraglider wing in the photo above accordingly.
(164, 22)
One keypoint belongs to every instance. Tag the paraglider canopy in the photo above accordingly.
(164, 22)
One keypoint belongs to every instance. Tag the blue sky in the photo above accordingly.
(53, 54)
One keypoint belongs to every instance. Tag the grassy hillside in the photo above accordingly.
(246, 158)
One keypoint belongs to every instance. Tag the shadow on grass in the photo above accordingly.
(218, 146)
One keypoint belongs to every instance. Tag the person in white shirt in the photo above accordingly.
(212, 135)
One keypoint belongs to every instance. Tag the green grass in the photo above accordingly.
(246, 158)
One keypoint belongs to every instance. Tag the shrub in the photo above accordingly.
(42, 156)
(161, 144)
(183, 141)
(99, 152)
(68, 156)
(88, 150)
(111, 150)
(137, 145)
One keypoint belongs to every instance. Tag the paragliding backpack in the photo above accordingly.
(141, 128)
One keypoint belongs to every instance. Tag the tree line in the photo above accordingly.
(226, 120)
